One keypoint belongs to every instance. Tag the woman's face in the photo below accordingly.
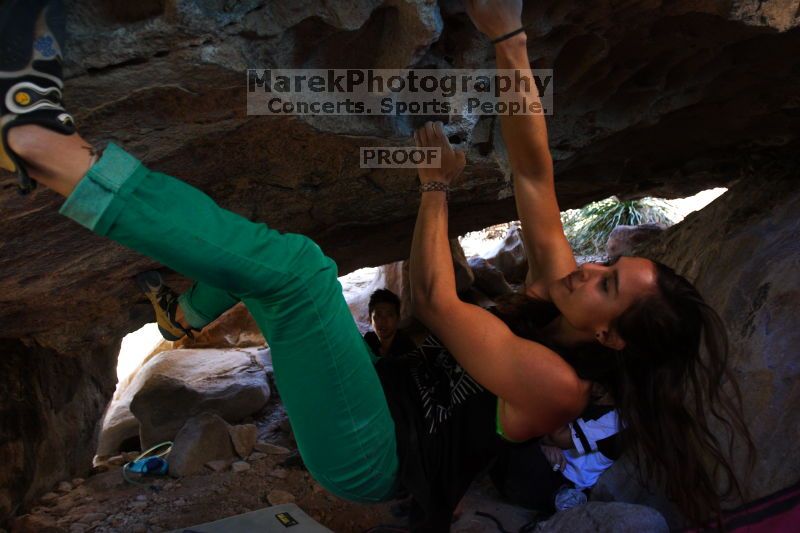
(596, 294)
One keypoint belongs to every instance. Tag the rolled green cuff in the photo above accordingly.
(194, 318)
(99, 196)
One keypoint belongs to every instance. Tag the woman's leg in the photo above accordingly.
(202, 304)
(331, 391)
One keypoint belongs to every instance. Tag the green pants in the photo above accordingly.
(323, 370)
(202, 304)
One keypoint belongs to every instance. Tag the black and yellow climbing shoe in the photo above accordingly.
(165, 305)
(31, 35)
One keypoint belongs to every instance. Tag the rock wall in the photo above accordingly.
(651, 98)
(49, 404)
(743, 253)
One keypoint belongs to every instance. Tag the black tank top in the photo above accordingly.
(446, 423)
(445, 427)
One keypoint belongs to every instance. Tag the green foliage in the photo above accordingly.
(588, 228)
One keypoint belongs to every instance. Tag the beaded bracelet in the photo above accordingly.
(436, 186)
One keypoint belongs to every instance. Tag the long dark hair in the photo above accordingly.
(663, 388)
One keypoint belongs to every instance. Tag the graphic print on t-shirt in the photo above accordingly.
(441, 382)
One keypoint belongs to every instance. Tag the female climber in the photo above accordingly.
(429, 421)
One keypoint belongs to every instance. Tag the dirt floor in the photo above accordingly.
(106, 503)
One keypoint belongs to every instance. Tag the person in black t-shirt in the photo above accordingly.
(384, 316)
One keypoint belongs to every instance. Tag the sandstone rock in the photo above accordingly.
(130, 456)
(271, 449)
(461, 267)
(244, 438)
(278, 497)
(256, 456)
(49, 498)
(99, 469)
(488, 279)
(231, 383)
(78, 481)
(202, 439)
(234, 329)
(508, 256)
(620, 483)
(36, 524)
(778, 15)
(218, 465)
(91, 518)
(63, 506)
(64, 487)
(745, 239)
(742, 252)
(624, 239)
(279, 473)
(598, 517)
(240, 466)
(117, 460)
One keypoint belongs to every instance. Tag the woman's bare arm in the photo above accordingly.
(549, 254)
(531, 378)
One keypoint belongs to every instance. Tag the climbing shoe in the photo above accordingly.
(31, 35)
(165, 304)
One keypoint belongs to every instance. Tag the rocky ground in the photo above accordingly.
(271, 475)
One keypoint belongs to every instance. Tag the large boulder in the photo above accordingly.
(201, 439)
(602, 517)
(488, 278)
(622, 483)
(742, 253)
(175, 385)
(236, 328)
(508, 256)
(624, 238)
